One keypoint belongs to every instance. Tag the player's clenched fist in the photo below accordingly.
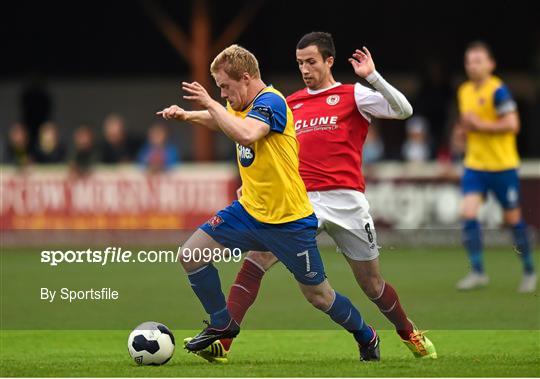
(173, 112)
(197, 93)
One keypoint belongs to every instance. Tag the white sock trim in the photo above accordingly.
(380, 295)
(241, 286)
(389, 309)
(198, 270)
(221, 310)
(348, 317)
(255, 263)
(332, 304)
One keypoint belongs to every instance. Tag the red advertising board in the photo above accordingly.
(128, 198)
(114, 199)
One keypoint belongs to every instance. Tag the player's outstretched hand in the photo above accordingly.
(362, 62)
(197, 93)
(173, 112)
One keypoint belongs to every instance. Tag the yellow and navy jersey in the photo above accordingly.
(272, 190)
(488, 151)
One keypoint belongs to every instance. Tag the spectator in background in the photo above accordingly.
(451, 153)
(115, 147)
(453, 150)
(49, 148)
(83, 155)
(36, 107)
(373, 146)
(158, 154)
(433, 101)
(416, 146)
(18, 146)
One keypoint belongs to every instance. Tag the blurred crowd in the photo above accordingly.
(40, 141)
(86, 148)
(111, 145)
(427, 136)
(36, 139)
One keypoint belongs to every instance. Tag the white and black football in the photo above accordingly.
(151, 343)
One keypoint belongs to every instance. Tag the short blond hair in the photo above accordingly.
(235, 61)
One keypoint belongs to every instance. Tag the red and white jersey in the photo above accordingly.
(331, 127)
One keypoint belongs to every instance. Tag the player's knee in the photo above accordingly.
(368, 277)
(468, 213)
(264, 259)
(319, 302)
(470, 206)
(320, 298)
(512, 216)
(188, 261)
(372, 286)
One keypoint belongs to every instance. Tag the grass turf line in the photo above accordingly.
(273, 353)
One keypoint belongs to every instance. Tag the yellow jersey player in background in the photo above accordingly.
(273, 213)
(489, 117)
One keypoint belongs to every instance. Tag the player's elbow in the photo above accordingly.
(512, 122)
(515, 126)
(405, 112)
(246, 139)
(252, 134)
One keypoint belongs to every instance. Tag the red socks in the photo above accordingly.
(246, 287)
(243, 293)
(389, 305)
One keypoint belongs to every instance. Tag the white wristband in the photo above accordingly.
(373, 77)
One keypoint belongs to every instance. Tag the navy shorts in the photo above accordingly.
(293, 243)
(503, 184)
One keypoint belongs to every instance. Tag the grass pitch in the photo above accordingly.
(490, 332)
(274, 353)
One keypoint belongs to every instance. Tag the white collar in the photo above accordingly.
(317, 91)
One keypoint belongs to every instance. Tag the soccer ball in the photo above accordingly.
(151, 343)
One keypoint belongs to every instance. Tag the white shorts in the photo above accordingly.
(344, 215)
